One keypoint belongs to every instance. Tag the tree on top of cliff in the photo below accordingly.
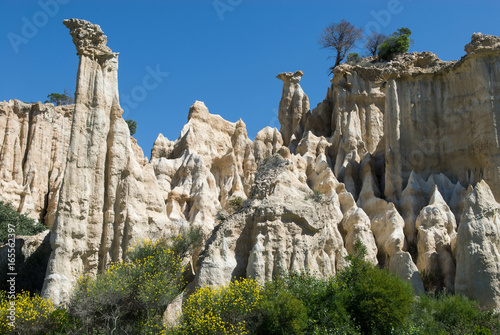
(373, 41)
(59, 99)
(397, 44)
(341, 37)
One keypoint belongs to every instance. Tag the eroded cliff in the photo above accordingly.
(402, 156)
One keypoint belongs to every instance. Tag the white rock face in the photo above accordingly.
(33, 149)
(282, 226)
(478, 248)
(107, 200)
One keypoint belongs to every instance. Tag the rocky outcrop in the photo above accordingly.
(281, 226)
(33, 150)
(107, 200)
(293, 107)
(436, 239)
(478, 248)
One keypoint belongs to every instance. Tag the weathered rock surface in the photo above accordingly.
(281, 226)
(293, 108)
(436, 238)
(33, 147)
(107, 199)
(478, 248)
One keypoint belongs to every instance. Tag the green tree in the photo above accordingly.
(397, 44)
(132, 126)
(60, 99)
(341, 37)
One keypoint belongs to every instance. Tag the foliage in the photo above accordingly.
(317, 195)
(236, 203)
(223, 310)
(373, 41)
(132, 126)
(281, 311)
(453, 314)
(433, 281)
(379, 301)
(341, 37)
(353, 57)
(11, 222)
(398, 43)
(31, 313)
(59, 99)
(132, 296)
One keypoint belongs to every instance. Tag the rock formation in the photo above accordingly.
(402, 156)
(478, 248)
(107, 200)
(293, 108)
(33, 149)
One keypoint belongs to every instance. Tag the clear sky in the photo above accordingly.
(226, 53)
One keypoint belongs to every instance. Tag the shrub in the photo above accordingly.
(223, 310)
(11, 222)
(398, 43)
(32, 314)
(353, 57)
(132, 296)
(453, 314)
(59, 99)
(236, 203)
(378, 301)
(132, 126)
(282, 312)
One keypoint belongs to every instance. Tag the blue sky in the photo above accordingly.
(226, 53)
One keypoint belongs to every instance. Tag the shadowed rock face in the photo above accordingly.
(401, 156)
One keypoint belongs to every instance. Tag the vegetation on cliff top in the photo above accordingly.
(343, 36)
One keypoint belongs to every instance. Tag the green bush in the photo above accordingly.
(353, 57)
(378, 301)
(59, 99)
(33, 315)
(398, 43)
(236, 203)
(324, 300)
(132, 126)
(453, 314)
(12, 223)
(282, 312)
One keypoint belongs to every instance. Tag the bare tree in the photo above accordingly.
(373, 41)
(341, 37)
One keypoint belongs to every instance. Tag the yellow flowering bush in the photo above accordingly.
(223, 310)
(31, 312)
(132, 296)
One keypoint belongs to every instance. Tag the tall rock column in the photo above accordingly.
(293, 108)
(107, 199)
